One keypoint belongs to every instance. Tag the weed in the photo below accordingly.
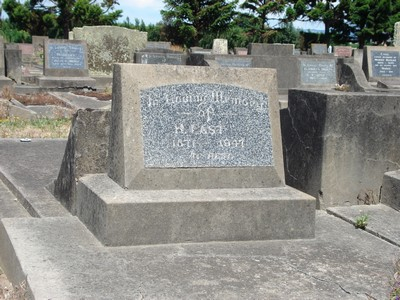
(395, 290)
(7, 92)
(37, 128)
(361, 221)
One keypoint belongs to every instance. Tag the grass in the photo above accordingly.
(12, 127)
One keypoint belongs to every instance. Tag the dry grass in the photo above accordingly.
(37, 128)
(9, 292)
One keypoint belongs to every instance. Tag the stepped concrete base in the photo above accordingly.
(391, 189)
(66, 82)
(119, 217)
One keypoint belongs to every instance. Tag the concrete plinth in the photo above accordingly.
(66, 82)
(119, 217)
(391, 189)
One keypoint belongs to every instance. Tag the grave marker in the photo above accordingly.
(182, 125)
(195, 155)
(319, 49)
(343, 51)
(65, 65)
(271, 49)
(317, 71)
(382, 63)
(65, 58)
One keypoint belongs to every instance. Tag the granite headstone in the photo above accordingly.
(181, 129)
(382, 63)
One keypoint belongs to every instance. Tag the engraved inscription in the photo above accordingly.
(66, 56)
(385, 64)
(318, 72)
(205, 125)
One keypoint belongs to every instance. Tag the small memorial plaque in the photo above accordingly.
(318, 71)
(385, 64)
(205, 125)
(66, 56)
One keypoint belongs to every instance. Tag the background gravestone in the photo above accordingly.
(343, 51)
(396, 36)
(108, 45)
(382, 63)
(318, 72)
(220, 46)
(4, 81)
(271, 49)
(319, 49)
(65, 65)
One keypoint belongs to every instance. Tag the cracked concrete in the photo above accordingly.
(61, 259)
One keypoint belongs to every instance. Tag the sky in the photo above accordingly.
(149, 12)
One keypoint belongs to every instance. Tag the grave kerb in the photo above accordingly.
(128, 165)
(65, 58)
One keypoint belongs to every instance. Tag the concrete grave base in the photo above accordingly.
(66, 82)
(119, 217)
(391, 189)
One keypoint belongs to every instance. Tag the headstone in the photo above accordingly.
(13, 62)
(160, 58)
(195, 155)
(65, 64)
(205, 113)
(4, 81)
(108, 45)
(234, 61)
(271, 49)
(318, 72)
(382, 63)
(396, 36)
(38, 47)
(343, 51)
(240, 51)
(220, 46)
(319, 49)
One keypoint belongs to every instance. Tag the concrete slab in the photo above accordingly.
(383, 221)
(120, 217)
(82, 102)
(27, 168)
(9, 204)
(60, 259)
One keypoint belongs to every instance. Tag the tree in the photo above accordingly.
(255, 20)
(56, 18)
(372, 19)
(315, 10)
(188, 21)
